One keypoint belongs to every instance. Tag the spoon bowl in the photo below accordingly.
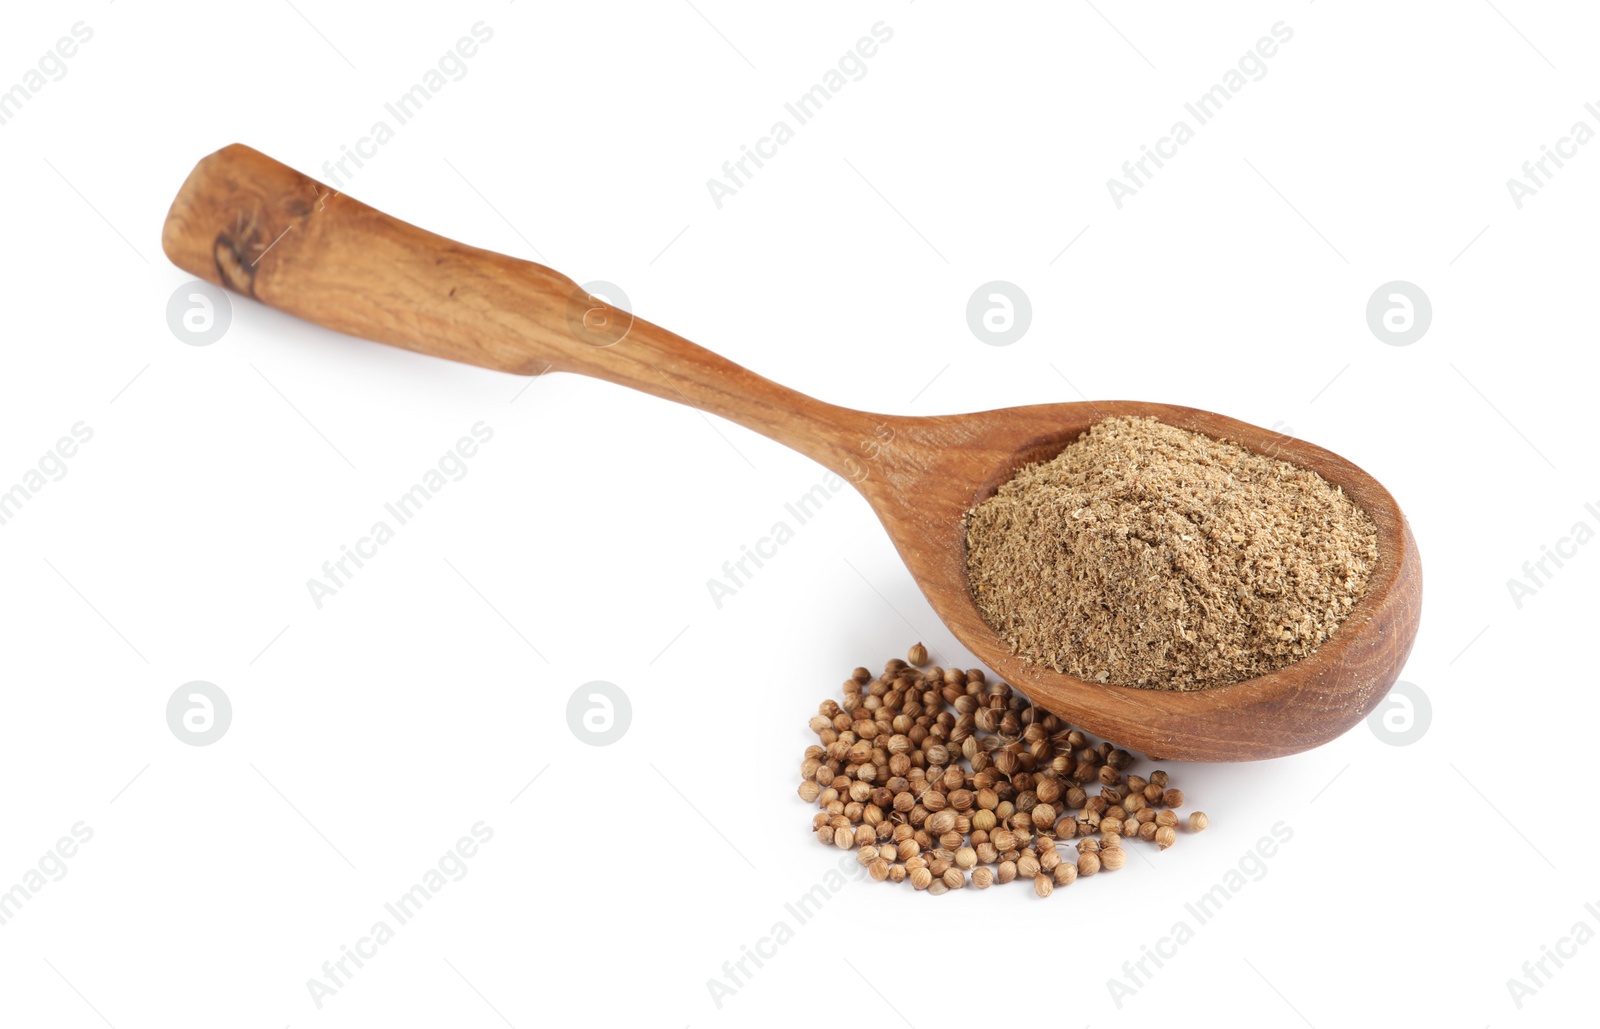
(246, 222)
(945, 466)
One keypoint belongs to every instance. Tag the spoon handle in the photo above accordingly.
(253, 225)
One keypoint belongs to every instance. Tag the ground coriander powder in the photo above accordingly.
(1148, 555)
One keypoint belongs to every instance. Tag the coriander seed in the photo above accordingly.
(1198, 821)
(938, 776)
(1043, 885)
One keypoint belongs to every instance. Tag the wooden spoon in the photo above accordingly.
(251, 224)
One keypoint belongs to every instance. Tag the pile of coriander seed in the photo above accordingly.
(940, 777)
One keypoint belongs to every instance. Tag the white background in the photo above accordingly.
(369, 735)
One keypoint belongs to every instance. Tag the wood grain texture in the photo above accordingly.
(246, 222)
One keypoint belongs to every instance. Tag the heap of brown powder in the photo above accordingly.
(1148, 555)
